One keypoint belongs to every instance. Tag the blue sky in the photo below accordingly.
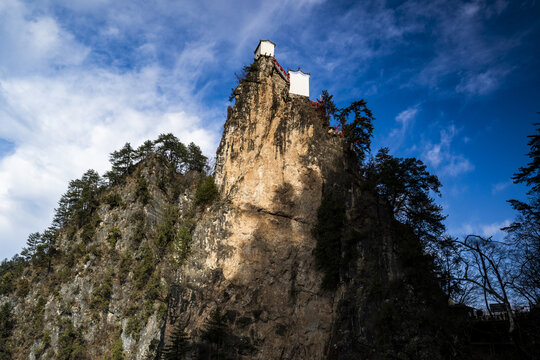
(453, 83)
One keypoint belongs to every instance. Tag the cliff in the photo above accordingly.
(240, 276)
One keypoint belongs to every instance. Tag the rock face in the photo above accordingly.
(253, 256)
(118, 285)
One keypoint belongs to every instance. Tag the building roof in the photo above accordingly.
(295, 71)
(259, 44)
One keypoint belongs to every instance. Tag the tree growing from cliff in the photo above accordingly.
(172, 149)
(80, 201)
(206, 192)
(405, 185)
(122, 162)
(355, 121)
(195, 158)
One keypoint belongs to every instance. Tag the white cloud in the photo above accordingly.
(488, 230)
(64, 116)
(34, 42)
(497, 188)
(404, 120)
(482, 83)
(443, 158)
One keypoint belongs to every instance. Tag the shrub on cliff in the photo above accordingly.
(206, 192)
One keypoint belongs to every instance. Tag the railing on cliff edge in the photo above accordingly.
(280, 70)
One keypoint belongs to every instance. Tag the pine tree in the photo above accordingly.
(172, 149)
(145, 150)
(196, 160)
(179, 346)
(122, 164)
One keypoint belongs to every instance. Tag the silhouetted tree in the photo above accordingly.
(486, 265)
(355, 121)
(524, 232)
(405, 185)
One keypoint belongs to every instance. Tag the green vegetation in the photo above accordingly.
(181, 244)
(144, 267)
(141, 190)
(167, 230)
(38, 311)
(122, 164)
(151, 354)
(206, 192)
(405, 185)
(23, 287)
(113, 199)
(355, 121)
(70, 342)
(113, 235)
(523, 232)
(134, 326)
(248, 72)
(118, 350)
(101, 295)
(6, 283)
(125, 265)
(44, 345)
(6, 328)
(78, 204)
(140, 226)
(214, 336)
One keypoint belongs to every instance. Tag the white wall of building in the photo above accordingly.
(299, 83)
(265, 47)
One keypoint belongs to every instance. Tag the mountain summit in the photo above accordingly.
(288, 251)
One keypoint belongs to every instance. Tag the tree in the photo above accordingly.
(179, 345)
(80, 200)
(122, 164)
(206, 191)
(326, 104)
(355, 121)
(405, 185)
(486, 265)
(145, 150)
(195, 158)
(358, 130)
(172, 149)
(524, 232)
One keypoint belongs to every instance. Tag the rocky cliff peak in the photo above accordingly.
(288, 255)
